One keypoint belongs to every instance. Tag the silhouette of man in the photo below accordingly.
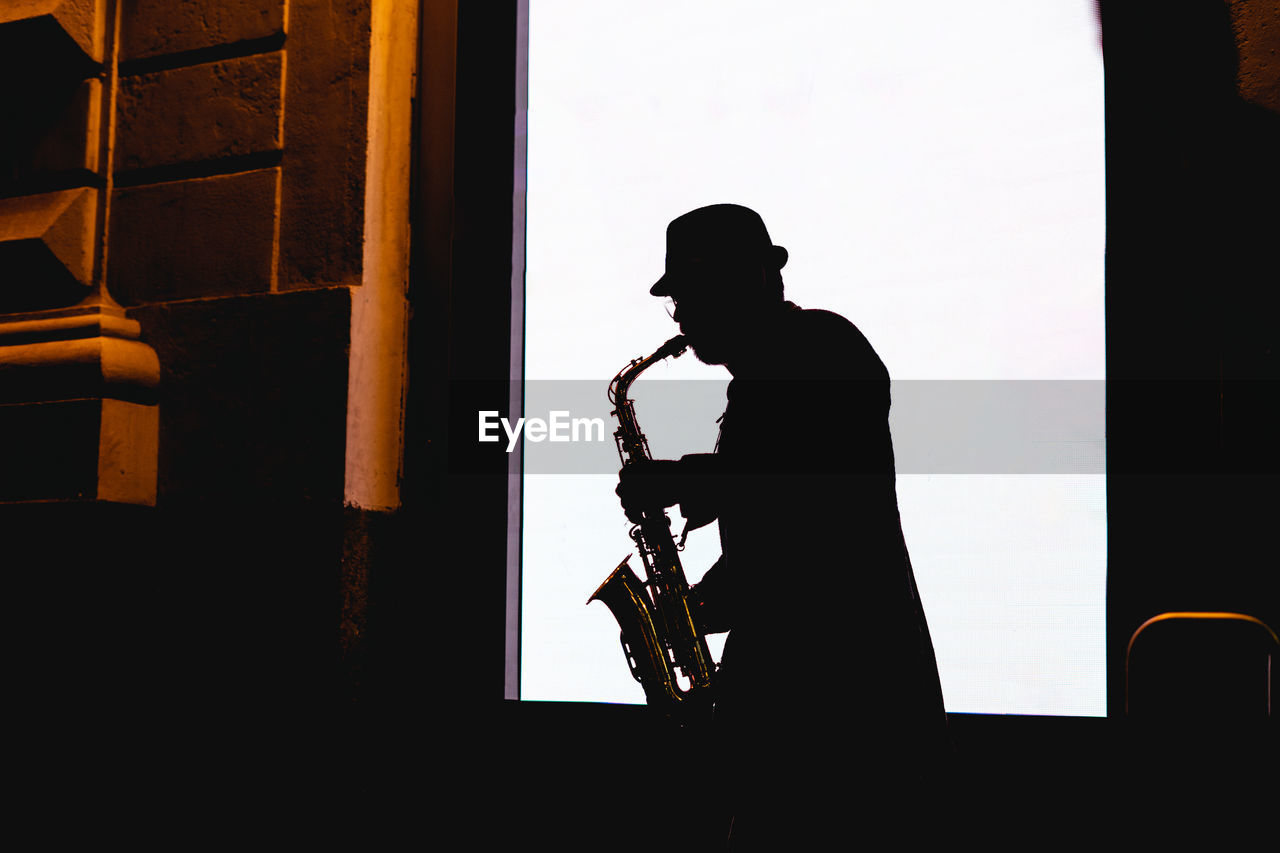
(828, 704)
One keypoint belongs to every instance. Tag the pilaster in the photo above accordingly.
(78, 407)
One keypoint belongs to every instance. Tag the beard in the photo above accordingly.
(709, 349)
(729, 333)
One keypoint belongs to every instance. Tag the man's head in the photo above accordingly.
(722, 273)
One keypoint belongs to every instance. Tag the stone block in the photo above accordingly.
(254, 398)
(77, 367)
(52, 126)
(1257, 31)
(47, 248)
(196, 238)
(71, 140)
(80, 21)
(326, 125)
(78, 419)
(200, 112)
(51, 109)
(128, 447)
(79, 450)
(160, 27)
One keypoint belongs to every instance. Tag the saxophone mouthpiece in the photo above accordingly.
(673, 348)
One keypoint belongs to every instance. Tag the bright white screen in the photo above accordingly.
(935, 170)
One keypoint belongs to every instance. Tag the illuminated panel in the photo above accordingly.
(936, 173)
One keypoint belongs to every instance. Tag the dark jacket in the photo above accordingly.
(828, 650)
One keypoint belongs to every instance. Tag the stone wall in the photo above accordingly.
(204, 217)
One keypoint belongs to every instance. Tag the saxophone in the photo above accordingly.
(665, 650)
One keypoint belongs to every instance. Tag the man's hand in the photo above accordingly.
(649, 485)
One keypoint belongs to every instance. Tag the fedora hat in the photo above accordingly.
(717, 233)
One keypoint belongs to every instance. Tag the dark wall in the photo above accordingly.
(437, 615)
(1192, 323)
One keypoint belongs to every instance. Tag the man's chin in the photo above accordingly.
(707, 354)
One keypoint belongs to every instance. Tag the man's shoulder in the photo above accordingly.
(816, 333)
(826, 323)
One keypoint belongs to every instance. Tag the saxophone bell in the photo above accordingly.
(624, 594)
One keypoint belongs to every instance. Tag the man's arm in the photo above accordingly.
(712, 599)
(694, 482)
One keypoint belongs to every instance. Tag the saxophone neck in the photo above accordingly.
(622, 382)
